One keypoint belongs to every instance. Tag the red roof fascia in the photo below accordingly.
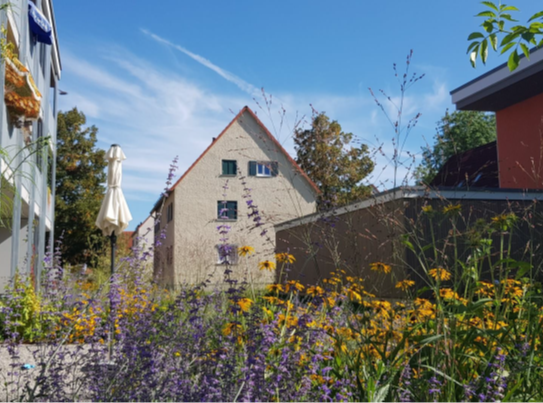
(272, 138)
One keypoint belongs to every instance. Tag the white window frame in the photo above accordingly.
(232, 259)
(263, 166)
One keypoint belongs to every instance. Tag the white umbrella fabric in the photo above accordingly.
(114, 215)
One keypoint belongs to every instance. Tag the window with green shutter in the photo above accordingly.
(229, 167)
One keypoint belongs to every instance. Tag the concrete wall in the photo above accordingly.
(520, 144)
(193, 232)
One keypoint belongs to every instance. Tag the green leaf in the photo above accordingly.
(490, 5)
(431, 339)
(473, 57)
(528, 36)
(525, 50)
(475, 35)
(472, 46)
(522, 271)
(488, 26)
(508, 8)
(507, 47)
(486, 14)
(444, 375)
(381, 394)
(494, 41)
(483, 51)
(536, 15)
(507, 17)
(513, 61)
(509, 38)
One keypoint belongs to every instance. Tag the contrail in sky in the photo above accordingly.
(242, 84)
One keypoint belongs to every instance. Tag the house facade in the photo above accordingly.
(144, 234)
(30, 71)
(242, 184)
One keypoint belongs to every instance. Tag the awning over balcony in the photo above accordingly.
(39, 25)
(20, 92)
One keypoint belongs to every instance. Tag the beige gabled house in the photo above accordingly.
(244, 165)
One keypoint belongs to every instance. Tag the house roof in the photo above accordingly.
(266, 131)
(500, 88)
(474, 168)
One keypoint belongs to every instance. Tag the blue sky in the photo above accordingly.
(162, 78)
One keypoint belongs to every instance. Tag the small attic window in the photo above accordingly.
(229, 167)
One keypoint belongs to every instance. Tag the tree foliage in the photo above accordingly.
(336, 166)
(456, 132)
(79, 187)
(500, 33)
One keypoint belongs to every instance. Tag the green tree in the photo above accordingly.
(456, 132)
(499, 32)
(80, 176)
(325, 153)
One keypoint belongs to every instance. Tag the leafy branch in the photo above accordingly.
(496, 26)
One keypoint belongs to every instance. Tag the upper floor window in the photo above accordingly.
(265, 169)
(169, 212)
(227, 210)
(40, 144)
(229, 167)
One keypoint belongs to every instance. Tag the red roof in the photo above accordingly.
(273, 139)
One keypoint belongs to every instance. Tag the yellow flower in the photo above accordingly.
(380, 267)
(448, 294)
(504, 221)
(440, 274)
(452, 208)
(246, 250)
(275, 288)
(285, 258)
(266, 265)
(295, 285)
(405, 284)
(353, 295)
(245, 304)
(315, 291)
(230, 328)
(427, 209)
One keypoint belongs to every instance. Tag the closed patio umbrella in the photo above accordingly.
(114, 214)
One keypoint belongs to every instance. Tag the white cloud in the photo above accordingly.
(242, 84)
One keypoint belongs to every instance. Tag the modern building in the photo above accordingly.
(505, 176)
(241, 185)
(30, 71)
(517, 99)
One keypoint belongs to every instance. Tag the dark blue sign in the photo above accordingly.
(39, 25)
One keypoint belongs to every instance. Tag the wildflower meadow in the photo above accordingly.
(472, 333)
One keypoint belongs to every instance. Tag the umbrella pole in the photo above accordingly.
(113, 238)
